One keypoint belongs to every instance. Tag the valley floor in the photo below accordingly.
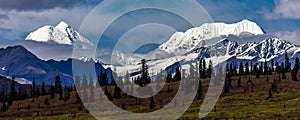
(237, 104)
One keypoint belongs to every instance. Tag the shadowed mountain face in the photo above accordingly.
(20, 63)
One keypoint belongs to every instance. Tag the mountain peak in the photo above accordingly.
(61, 34)
(247, 21)
(17, 49)
(62, 25)
(12, 52)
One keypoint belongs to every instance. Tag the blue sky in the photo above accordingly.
(18, 18)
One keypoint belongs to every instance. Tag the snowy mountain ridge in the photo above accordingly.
(181, 43)
(61, 34)
(223, 51)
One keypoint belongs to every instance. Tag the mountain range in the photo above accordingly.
(219, 42)
(20, 63)
(182, 42)
(242, 41)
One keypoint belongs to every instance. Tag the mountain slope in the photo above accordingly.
(61, 34)
(20, 63)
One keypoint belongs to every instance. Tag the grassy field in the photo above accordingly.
(237, 104)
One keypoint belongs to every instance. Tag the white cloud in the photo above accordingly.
(285, 9)
(291, 36)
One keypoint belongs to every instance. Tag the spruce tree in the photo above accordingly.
(84, 86)
(177, 76)
(169, 88)
(58, 87)
(77, 83)
(251, 69)
(106, 92)
(104, 80)
(277, 67)
(33, 92)
(186, 83)
(235, 69)
(241, 69)
(144, 78)
(43, 92)
(52, 92)
(204, 69)
(198, 69)
(209, 69)
(67, 93)
(272, 65)
(13, 93)
(99, 78)
(192, 71)
(38, 92)
(265, 68)
(295, 70)
(117, 92)
(283, 70)
(261, 69)
(247, 68)
(256, 71)
(3, 101)
(91, 87)
(152, 103)
(227, 69)
(226, 86)
(199, 91)
(169, 78)
(287, 63)
(231, 69)
(127, 78)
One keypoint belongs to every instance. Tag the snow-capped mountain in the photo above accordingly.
(181, 43)
(61, 34)
(184, 48)
(223, 51)
(265, 50)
